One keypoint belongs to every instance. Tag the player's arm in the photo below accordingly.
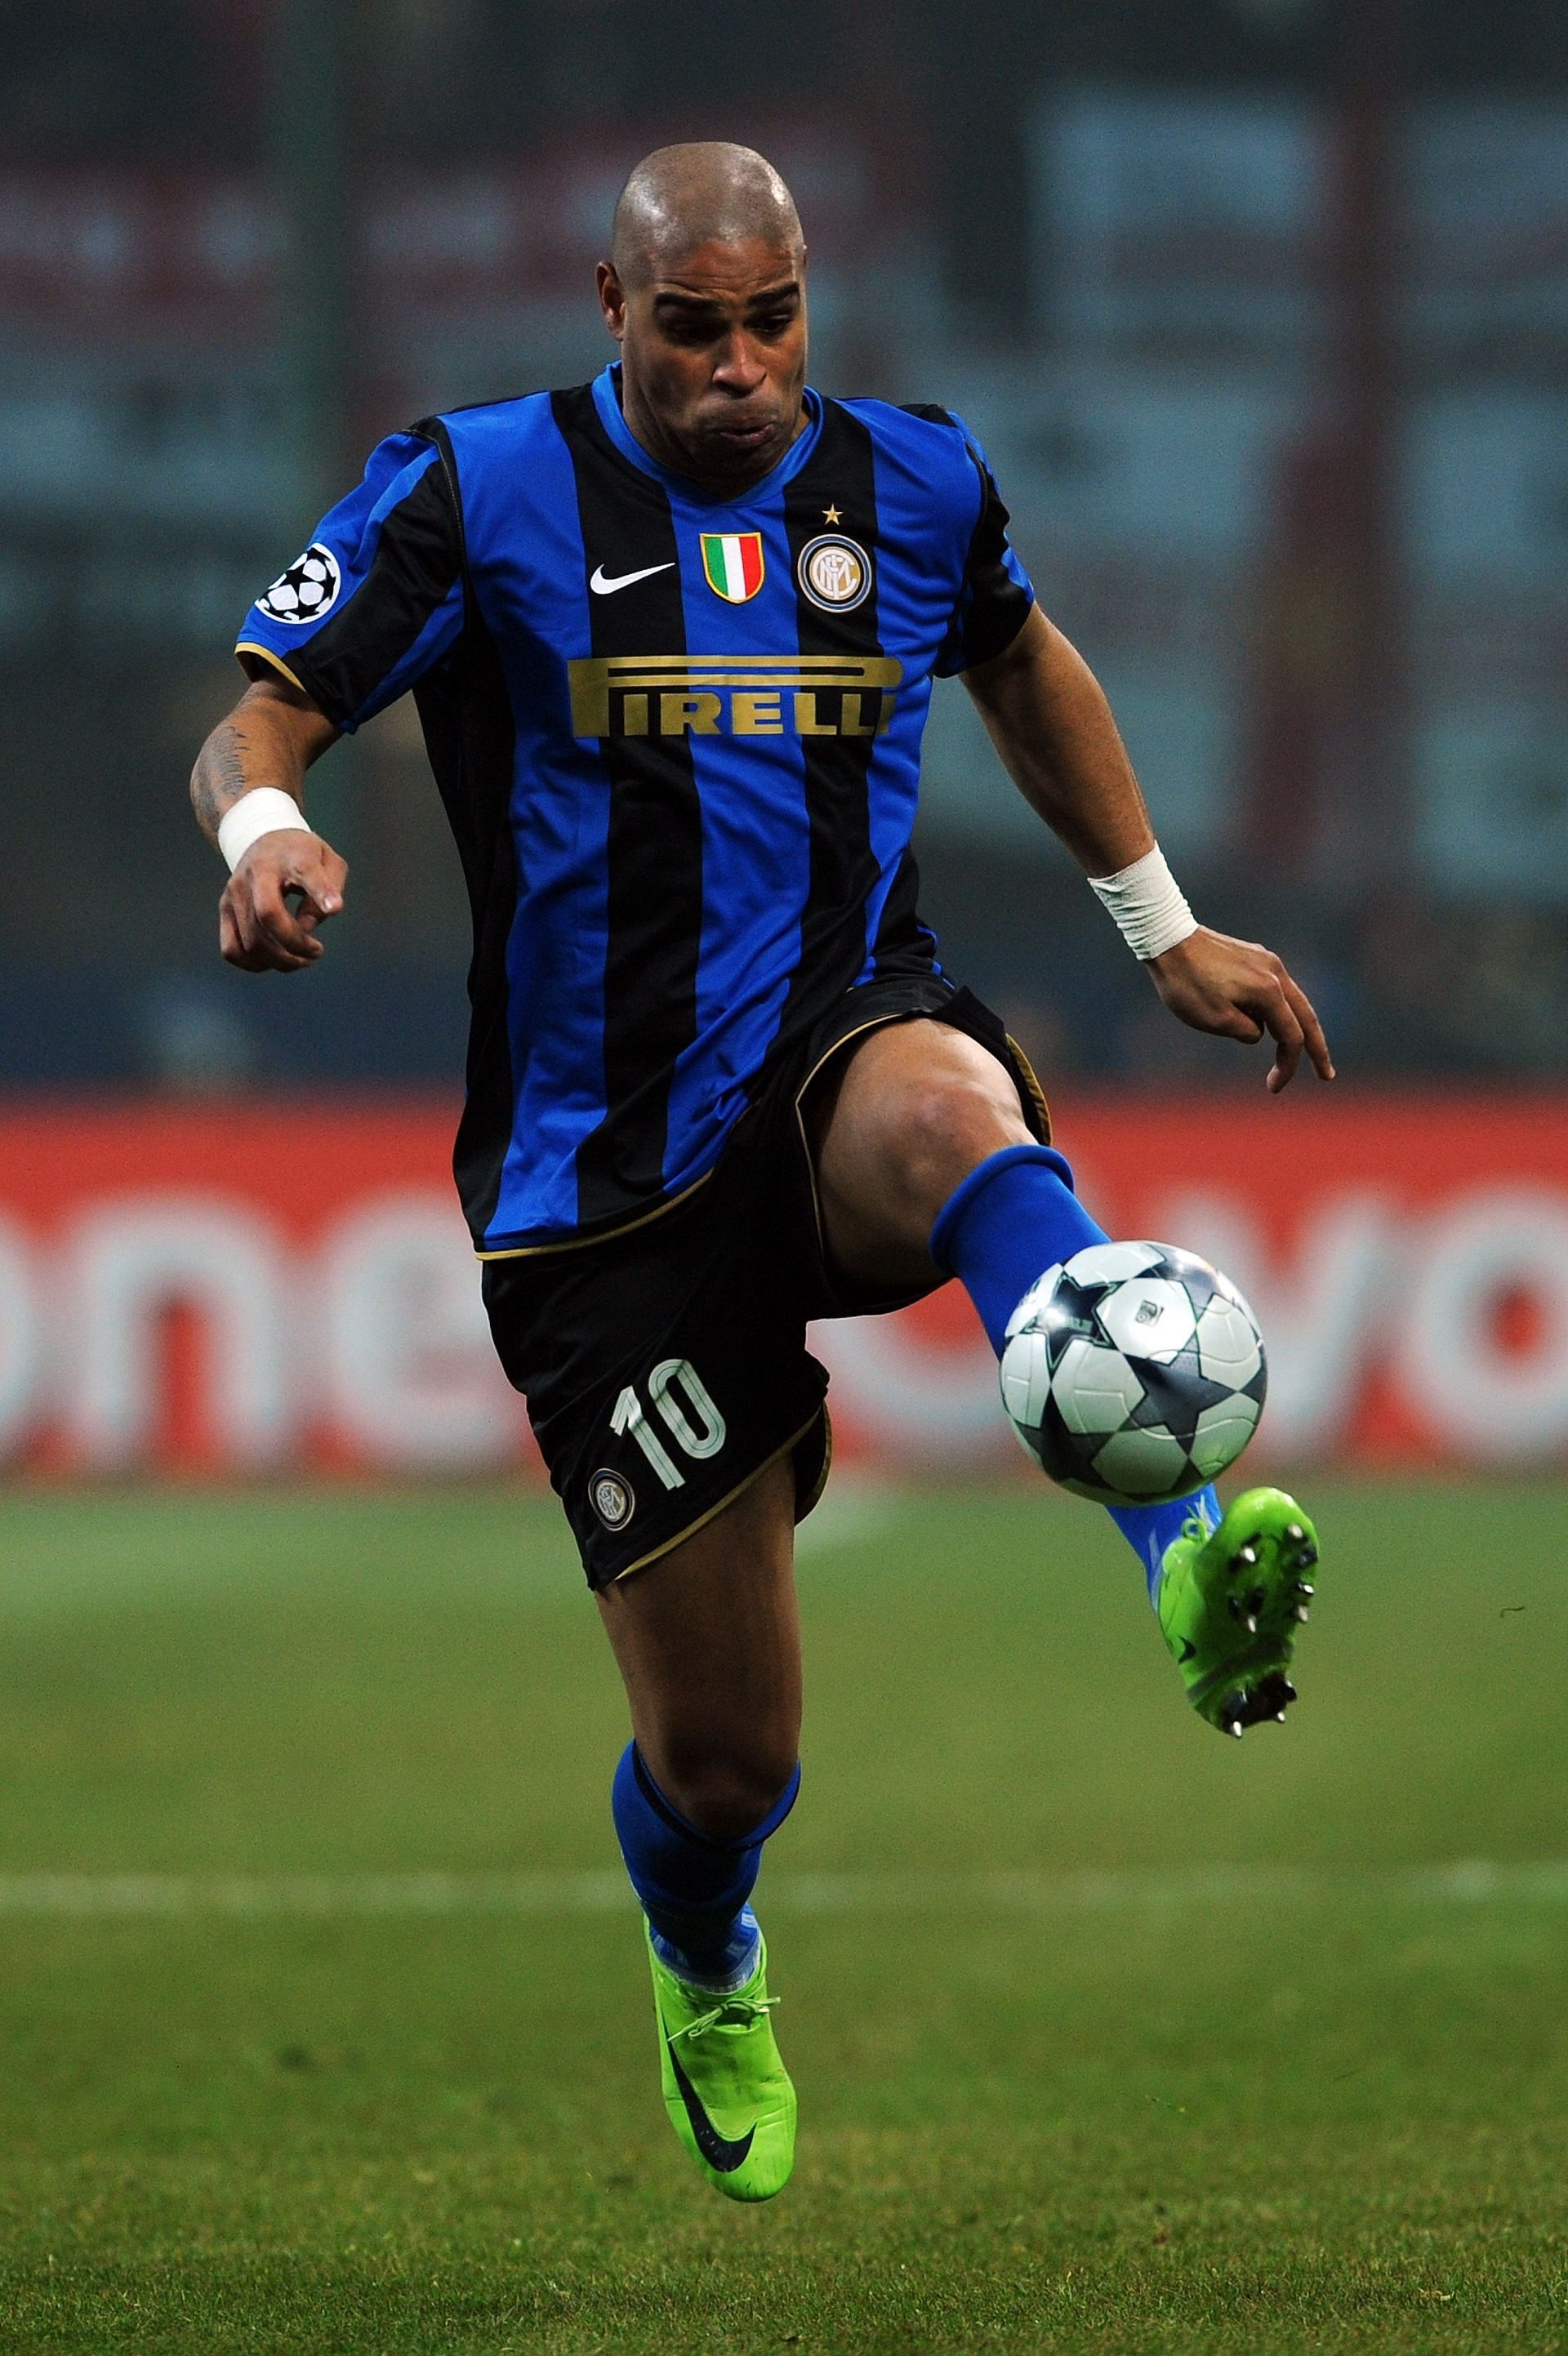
(355, 621)
(289, 881)
(1050, 720)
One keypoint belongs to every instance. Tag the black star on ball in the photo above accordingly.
(1072, 1314)
(1177, 1395)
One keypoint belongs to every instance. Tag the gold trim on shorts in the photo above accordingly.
(1026, 1071)
(582, 1243)
(876, 1022)
(821, 1483)
(714, 1511)
(1035, 1090)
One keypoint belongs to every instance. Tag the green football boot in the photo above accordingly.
(1230, 1600)
(726, 2091)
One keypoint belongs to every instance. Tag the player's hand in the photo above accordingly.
(1239, 990)
(286, 886)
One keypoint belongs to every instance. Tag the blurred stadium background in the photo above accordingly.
(1261, 309)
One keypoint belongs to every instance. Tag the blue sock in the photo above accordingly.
(693, 1888)
(1000, 1231)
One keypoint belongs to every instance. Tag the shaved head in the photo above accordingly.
(706, 192)
(704, 291)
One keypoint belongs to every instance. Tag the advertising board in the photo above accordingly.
(286, 1287)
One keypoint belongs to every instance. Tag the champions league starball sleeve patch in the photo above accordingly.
(377, 597)
(306, 589)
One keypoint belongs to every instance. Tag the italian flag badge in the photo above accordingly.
(732, 564)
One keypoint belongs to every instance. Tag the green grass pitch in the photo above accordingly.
(324, 2025)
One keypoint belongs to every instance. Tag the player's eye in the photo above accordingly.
(691, 327)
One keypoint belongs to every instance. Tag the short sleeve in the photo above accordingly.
(996, 593)
(376, 599)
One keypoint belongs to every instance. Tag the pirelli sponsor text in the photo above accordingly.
(732, 695)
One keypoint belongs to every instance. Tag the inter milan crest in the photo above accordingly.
(612, 1499)
(733, 565)
(834, 572)
(307, 590)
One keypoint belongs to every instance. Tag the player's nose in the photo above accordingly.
(738, 366)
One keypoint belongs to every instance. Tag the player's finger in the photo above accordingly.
(1280, 1019)
(237, 948)
(237, 902)
(275, 921)
(1235, 1023)
(1318, 1052)
(313, 898)
(318, 875)
(228, 933)
(249, 961)
(262, 951)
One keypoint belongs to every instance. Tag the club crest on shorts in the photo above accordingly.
(834, 572)
(732, 565)
(308, 589)
(612, 1499)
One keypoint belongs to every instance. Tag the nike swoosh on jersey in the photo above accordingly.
(718, 2150)
(602, 585)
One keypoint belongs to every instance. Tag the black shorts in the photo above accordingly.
(666, 1365)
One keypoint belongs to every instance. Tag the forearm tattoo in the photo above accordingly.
(219, 775)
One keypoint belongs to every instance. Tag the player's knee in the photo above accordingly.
(726, 1790)
(947, 1126)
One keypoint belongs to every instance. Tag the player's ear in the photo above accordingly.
(612, 299)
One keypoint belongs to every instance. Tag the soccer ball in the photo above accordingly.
(1133, 1373)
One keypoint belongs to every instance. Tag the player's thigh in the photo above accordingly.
(708, 1642)
(914, 1109)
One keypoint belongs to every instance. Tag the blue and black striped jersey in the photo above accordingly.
(678, 739)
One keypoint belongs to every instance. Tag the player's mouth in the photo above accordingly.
(745, 438)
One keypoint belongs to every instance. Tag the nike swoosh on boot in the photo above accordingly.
(718, 2150)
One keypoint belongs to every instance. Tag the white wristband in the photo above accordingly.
(1147, 903)
(265, 810)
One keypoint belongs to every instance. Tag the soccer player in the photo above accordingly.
(671, 636)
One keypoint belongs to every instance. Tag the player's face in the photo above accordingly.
(714, 352)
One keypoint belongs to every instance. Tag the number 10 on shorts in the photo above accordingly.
(669, 1377)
